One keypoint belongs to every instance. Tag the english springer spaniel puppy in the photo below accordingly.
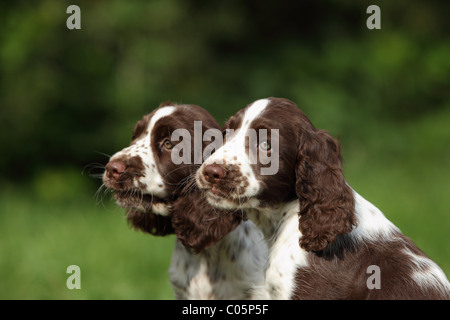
(325, 240)
(215, 255)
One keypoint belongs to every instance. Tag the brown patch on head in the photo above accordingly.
(140, 129)
(176, 175)
(279, 187)
(235, 122)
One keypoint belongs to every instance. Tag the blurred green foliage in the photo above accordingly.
(67, 97)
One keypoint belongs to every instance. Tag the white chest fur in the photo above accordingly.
(230, 269)
(280, 229)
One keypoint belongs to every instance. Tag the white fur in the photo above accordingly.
(372, 224)
(282, 235)
(427, 273)
(231, 269)
(152, 178)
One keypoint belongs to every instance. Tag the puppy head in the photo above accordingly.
(152, 178)
(305, 164)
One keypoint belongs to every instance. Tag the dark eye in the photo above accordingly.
(265, 145)
(167, 144)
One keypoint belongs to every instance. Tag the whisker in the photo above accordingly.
(218, 213)
(99, 195)
(189, 181)
(94, 166)
(178, 168)
(103, 154)
(141, 199)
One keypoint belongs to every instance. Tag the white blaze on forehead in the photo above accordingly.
(152, 178)
(254, 111)
(161, 113)
(234, 151)
(251, 114)
(146, 141)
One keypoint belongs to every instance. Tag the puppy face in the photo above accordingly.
(256, 165)
(144, 176)
(132, 173)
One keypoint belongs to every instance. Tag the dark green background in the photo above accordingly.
(69, 98)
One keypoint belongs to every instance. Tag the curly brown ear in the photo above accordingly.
(150, 222)
(326, 201)
(197, 224)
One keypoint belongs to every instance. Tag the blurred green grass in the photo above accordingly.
(41, 238)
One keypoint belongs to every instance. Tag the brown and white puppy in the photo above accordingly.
(215, 255)
(325, 240)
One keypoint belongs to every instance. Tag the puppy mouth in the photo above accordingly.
(213, 195)
(225, 195)
(215, 192)
(134, 200)
(226, 200)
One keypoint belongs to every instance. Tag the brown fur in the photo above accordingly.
(196, 223)
(326, 201)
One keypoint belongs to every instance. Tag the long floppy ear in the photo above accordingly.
(150, 222)
(199, 225)
(327, 204)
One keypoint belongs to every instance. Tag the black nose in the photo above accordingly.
(115, 169)
(214, 172)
